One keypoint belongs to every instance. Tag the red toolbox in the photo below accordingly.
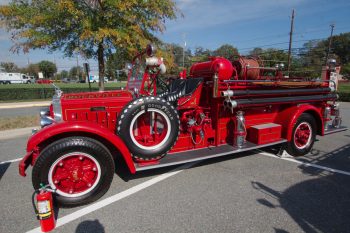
(265, 133)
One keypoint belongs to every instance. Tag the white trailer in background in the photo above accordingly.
(96, 79)
(12, 78)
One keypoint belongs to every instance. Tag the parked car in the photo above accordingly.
(69, 80)
(44, 81)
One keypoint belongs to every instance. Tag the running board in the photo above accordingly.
(202, 154)
(331, 130)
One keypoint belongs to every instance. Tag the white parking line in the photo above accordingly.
(98, 205)
(11, 161)
(306, 164)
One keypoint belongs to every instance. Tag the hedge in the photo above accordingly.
(8, 94)
(344, 96)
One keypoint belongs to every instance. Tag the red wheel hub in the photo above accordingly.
(302, 135)
(74, 173)
(150, 129)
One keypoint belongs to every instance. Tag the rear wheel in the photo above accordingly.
(303, 137)
(80, 169)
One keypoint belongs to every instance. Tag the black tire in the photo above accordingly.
(29, 82)
(57, 150)
(136, 108)
(291, 147)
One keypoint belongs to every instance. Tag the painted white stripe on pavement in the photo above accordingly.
(306, 164)
(11, 161)
(109, 200)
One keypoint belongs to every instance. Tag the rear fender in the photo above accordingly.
(57, 129)
(289, 116)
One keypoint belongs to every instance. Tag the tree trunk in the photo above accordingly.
(101, 66)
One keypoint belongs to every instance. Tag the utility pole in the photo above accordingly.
(183, 50)
(330, 42)
(290, 42)
(78, 69)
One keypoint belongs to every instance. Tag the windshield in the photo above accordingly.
(136, 74)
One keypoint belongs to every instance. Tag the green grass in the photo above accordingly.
(344, 87)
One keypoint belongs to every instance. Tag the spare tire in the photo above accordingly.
(149, 126)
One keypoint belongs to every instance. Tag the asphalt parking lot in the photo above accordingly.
(248, 192)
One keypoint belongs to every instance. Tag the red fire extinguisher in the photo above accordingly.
(43, 206)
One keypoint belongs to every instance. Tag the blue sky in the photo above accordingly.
(244, 24)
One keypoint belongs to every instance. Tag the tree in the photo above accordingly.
(64, 74)
(176, 57)
(48, 68)
(76, 72)
(345, 70)
(93, 28)
(61, 75)
(256, 52)
(33, 70)
(226, 50)
(9, 67)
(341, 47)
(117, 61)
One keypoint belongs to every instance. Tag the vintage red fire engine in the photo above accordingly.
(221, 108)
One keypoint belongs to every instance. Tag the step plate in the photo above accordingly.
(331, 130)
(201, 154)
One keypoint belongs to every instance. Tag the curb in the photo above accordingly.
(13, 133)
(24, 105)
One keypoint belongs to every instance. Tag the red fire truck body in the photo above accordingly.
(221, 108)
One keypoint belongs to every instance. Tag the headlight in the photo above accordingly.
(44, 112)
(45, 118)
(45, 121)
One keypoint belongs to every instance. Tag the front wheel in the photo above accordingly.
(80, 169)
(303, 137)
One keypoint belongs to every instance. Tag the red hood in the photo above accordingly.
(99, 107)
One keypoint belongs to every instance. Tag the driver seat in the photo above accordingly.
(181, 87)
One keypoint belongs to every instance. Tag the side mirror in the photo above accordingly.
(151, 50)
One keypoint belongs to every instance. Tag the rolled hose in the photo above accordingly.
(277, 100)
(275, 92)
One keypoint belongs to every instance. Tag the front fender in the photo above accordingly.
(288, 117)
(61, 128)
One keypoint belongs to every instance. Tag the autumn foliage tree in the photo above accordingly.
(92, 28)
